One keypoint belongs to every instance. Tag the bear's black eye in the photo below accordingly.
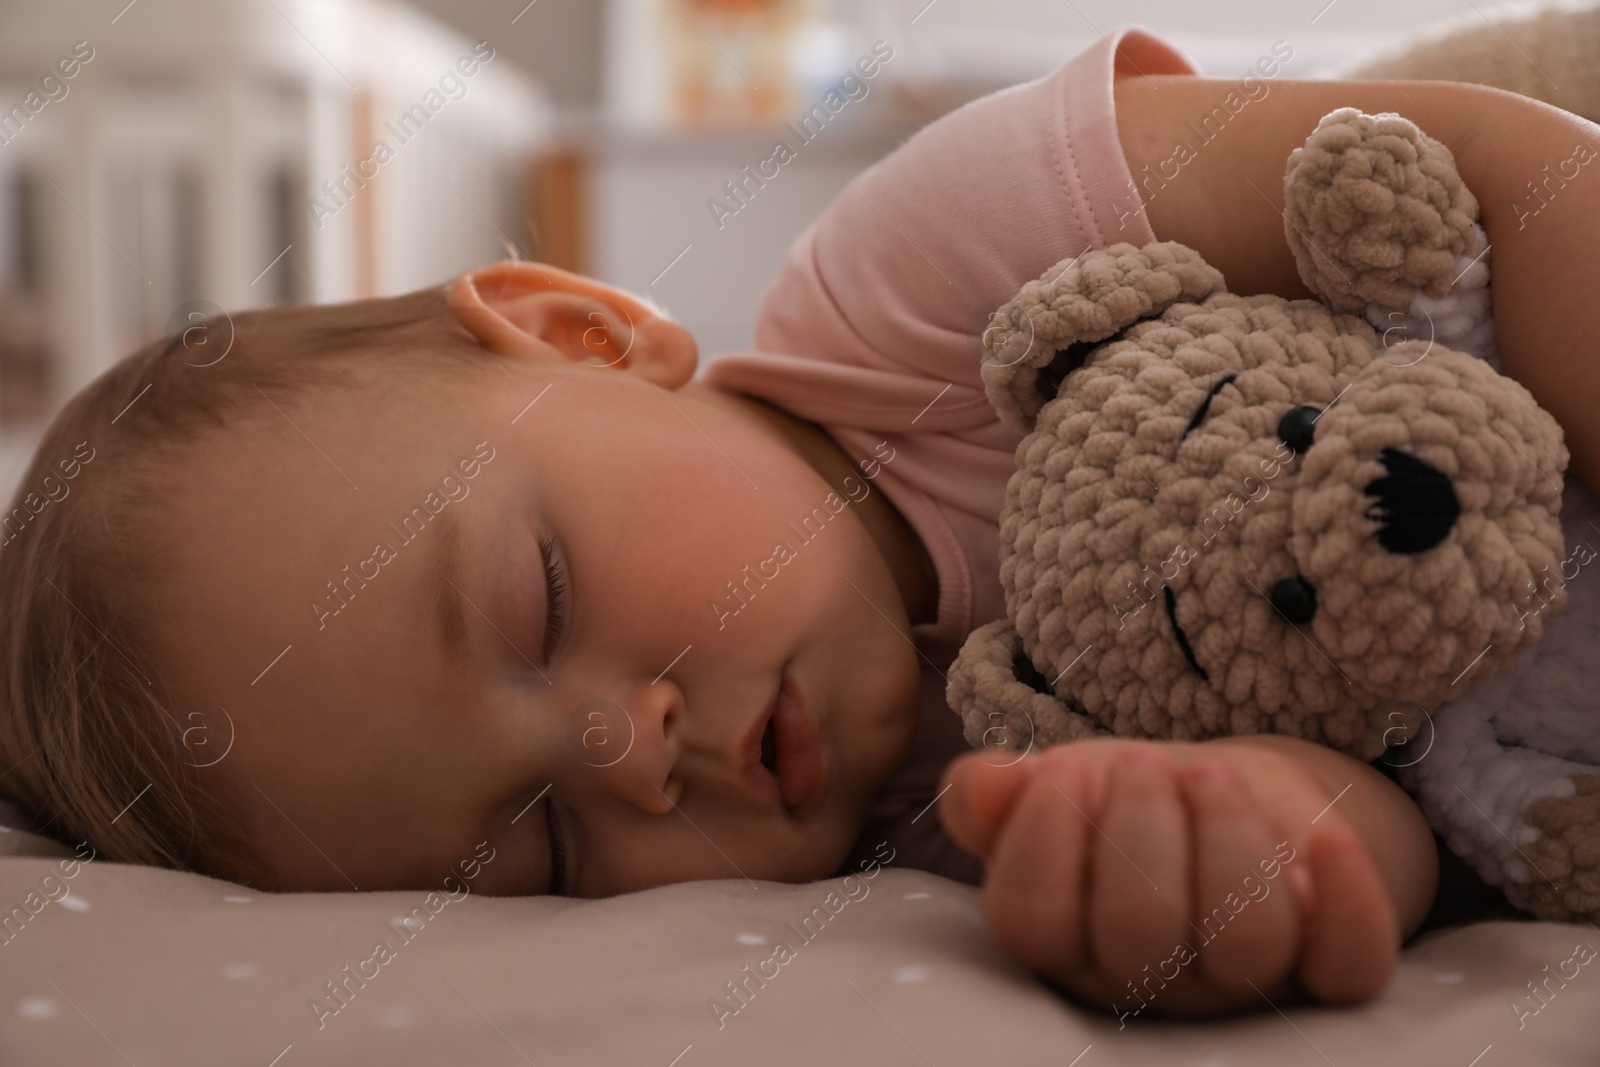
(1298, 428)
(1205, 405)
(1074, 356)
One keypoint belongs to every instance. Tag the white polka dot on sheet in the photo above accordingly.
(240, 971)
(910, 973)
(918, 896)
(1448, 977)
(395, 1016)
(237, 900)
(72, 903)
(37, 1008)
(751, 939)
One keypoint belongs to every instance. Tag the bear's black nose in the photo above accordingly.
(1415, 504)
(1296, 599)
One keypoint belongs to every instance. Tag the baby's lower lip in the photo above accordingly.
(799, 750)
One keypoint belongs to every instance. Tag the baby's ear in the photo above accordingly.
(1049, 329)
(541, 313)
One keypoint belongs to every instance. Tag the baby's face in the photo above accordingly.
(326, 570)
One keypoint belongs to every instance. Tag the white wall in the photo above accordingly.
(1011, 40)
(650, 204)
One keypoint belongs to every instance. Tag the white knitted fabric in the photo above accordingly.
(1462, 320)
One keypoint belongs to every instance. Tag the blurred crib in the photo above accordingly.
(177, 155)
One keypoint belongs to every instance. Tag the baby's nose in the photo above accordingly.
(629, 743)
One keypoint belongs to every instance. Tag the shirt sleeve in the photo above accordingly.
(872, 327)
(905, 265)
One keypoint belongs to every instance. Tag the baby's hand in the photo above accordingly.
(1184, 877)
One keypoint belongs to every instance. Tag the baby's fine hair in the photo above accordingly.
(93, 746)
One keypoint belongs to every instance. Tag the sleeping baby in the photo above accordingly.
(498, 573)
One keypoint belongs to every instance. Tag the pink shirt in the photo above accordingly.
(872, 330)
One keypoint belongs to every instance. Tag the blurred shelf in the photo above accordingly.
(597, 136)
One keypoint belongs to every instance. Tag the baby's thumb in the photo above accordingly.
(976, 795)
(1352, 947)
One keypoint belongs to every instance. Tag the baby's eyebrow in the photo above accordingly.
(443, 589)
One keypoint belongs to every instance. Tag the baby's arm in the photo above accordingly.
(1226, 203)
(1124, 873)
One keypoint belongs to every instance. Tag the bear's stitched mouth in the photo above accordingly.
(1183, 638)
(1205, 405)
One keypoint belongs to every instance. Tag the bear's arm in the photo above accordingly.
(1217, 186)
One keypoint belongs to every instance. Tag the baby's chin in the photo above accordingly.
(855, 811)
(823, 862)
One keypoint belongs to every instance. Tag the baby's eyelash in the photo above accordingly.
(558, 851)
(555, 598)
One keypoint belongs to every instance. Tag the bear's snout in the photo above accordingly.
(1428, 504)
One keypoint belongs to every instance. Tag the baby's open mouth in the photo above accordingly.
(785, 764)
(769, 745)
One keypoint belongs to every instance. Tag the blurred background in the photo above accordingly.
(162, 158)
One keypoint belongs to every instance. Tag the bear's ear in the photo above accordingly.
(1376, 213)
(1050, 328)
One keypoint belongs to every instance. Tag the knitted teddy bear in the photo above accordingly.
(1246, 514)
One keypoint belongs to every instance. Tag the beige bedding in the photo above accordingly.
(114, 964)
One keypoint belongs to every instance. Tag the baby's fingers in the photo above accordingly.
(1247, 927)
(1140, 898)
(979, 791)
(1353, 944)
(1033, 891)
